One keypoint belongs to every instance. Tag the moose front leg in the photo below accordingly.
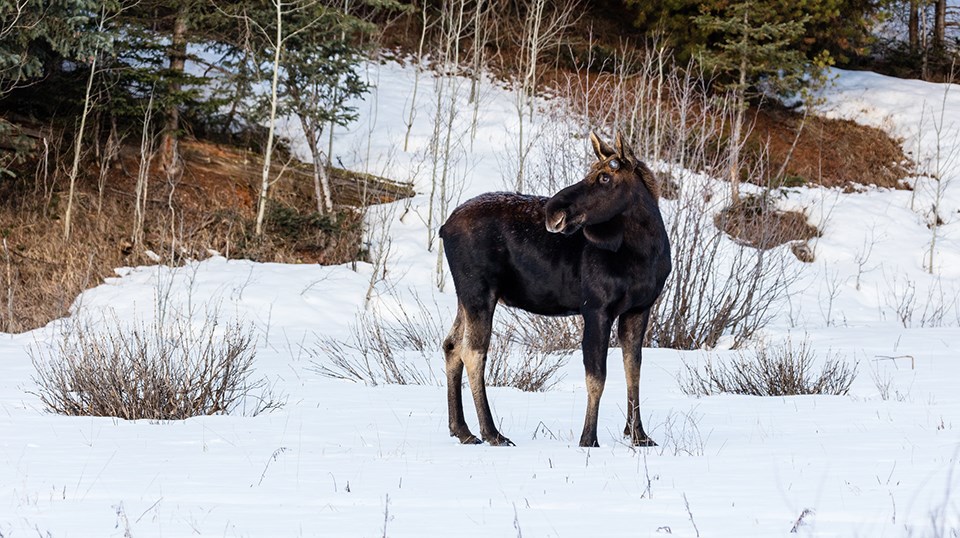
(596, 337)
(632, 328)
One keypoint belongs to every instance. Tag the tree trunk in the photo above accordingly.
(143, 176)
(321, 182)
(939, 23)
(311, 132)
(77, 150)
(735, 143)
(169, 150)
(740, 105)
(268, 152)
(914, 25)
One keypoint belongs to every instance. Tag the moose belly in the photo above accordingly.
(552, 295)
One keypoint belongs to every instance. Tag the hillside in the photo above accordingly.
(209, 209)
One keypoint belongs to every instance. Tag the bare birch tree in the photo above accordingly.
(411, 112)
(944, 157)
(78, 143)
(544, 24)
(276, 40)
(143, 175)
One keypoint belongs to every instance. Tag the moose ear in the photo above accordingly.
(606, 235)
(600, 147)
(624, 151)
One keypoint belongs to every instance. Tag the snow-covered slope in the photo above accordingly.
(343, 459)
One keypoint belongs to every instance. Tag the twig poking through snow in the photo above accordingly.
(686, 503)
(806, 512)
(516, 522)
(386, 514)
(273, 457)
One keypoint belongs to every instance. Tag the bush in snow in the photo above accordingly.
(164, 370)
(775, 370)
(526, 351)
(718, 288)
(376, 352)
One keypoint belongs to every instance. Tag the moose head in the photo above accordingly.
(596, 204)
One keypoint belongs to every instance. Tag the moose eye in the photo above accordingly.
(614, 164)
(604, 178)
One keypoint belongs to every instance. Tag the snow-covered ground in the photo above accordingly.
(344, 459)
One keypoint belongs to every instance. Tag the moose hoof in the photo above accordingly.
(638, 437)
(500, 441)
(466, 438)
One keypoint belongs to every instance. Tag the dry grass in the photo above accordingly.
(209, 209)
(828, 152)
(527, 351)
(774, 370)
(165, 370)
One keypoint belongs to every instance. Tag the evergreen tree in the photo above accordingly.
(36, 35)
(750, 52)
(321, 76)
(840, 27)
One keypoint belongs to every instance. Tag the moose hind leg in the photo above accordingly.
(452, 351)
(476, 341)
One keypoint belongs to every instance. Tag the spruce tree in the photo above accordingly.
(321, 76)
(749, 51)
(36, 35)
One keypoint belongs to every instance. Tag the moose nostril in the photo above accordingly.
(556, 223)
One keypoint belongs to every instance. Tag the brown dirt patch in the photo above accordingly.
(756, 223)
(211, 207)
(828, 152)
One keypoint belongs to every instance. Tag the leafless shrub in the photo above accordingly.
(422, 330)
(552, 334)
(775, 370)
(375, 353)
(935, 310)
(717, 288)
(828, 293)
(168, 370)
(379, 350)
(399, 349)
(680, 435)
(541, 354)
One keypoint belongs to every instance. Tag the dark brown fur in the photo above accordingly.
(597, 248)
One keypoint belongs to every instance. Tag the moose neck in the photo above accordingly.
(642, 217)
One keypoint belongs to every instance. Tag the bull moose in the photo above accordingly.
(597, 248)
